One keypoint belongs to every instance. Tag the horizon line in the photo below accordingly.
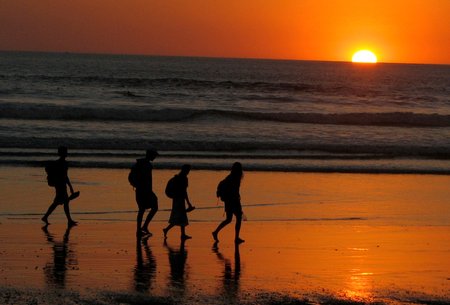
(217, 57)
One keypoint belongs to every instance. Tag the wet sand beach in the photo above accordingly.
(310, 239)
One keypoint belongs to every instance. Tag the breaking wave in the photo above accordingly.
(143, 114)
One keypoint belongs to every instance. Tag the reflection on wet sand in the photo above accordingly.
(230, 277)
(64, 258)
(145, 269)
(177, 263)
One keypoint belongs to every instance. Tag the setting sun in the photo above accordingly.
(364, 56)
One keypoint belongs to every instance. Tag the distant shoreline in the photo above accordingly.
(210, 57)
(159, 166)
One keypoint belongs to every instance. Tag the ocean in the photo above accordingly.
(271, 115)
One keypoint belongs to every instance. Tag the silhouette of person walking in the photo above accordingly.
(177, 190)
(228, 192)
(57, 176)
(63, 257)
(140, 177)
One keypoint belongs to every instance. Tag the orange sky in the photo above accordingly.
(416, 31)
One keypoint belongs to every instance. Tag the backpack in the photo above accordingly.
(51, 168)
(171, 187)
(133, 176)
(222, 189)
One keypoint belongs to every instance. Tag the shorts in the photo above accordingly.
(233, 207)
(61, 196)
(146, 199)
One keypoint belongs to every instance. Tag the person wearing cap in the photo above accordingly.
(145, 197)
(60, 182)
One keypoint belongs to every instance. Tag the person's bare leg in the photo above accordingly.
(140, 215)
(183, 233)
(221, 226)
(148, 219)
(50, 210)
(166, 230)
(237, 229)
(70, 221)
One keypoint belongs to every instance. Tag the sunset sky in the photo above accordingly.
(412, 31)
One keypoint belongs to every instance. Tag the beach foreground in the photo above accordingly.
(310, 239)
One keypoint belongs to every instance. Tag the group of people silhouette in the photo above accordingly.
(141, 178)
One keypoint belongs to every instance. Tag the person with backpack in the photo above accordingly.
(140, 177)
(177, 190)
(57, 177)
(228, 192)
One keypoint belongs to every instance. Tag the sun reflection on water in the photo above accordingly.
(359, 286)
